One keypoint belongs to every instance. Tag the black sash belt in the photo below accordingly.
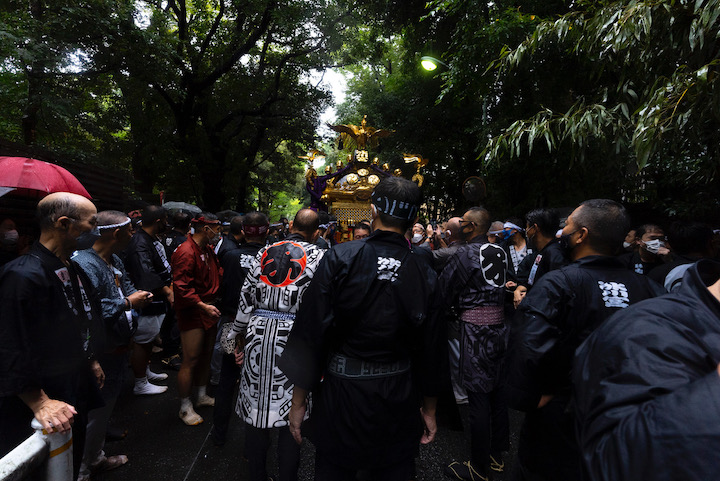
(350, 368)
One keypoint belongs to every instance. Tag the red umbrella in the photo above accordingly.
(22, 173)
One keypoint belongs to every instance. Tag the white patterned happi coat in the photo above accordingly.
(270, 296)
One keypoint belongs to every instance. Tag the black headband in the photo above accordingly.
(255, 230)
(394, 208)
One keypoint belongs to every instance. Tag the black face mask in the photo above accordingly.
(531, 240)
(463, 234)
(87, 239)
(564, 242)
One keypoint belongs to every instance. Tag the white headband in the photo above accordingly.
(115, 226)
(510, 225)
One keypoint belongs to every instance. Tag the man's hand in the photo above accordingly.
(210, 310)
(98, 372)
(239, 355)
(544, 399)
(169, 295)
(298, 407)
(519, 295)
(55, 416)
(140, 299)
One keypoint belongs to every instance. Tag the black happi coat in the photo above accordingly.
(563, 308)
(647, 387)
(475, 277)
(45, 328)
(235, 264)
(143, 262)
(536, 265)
(374, 300)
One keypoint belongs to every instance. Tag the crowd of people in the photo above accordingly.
(605, 336)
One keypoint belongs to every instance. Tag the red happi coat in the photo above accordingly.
(196, 278)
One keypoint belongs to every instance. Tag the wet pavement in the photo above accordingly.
(160, 447)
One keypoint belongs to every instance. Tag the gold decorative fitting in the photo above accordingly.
(363, 172)
(373, 180)
(363, 137)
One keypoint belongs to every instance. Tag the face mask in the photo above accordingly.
(654, 246)
(505, 234)
(87, 239)
(626, 245)
(564, 242)
(10, 238)
(215, 239)
(416, 238)
(531, 241)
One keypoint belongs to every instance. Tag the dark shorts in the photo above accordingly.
(194, 318)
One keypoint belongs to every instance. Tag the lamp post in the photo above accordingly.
(431, 63)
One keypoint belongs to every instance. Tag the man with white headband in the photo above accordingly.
(516, 246)
(369, 323)
(118, 298)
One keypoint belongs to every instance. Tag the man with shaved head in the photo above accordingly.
(46, 353)
(473, 282)
(271, 294)
(453, 239)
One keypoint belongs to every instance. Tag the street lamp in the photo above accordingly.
(431, 63)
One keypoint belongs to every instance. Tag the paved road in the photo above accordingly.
(160, 447)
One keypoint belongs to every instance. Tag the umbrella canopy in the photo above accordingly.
(193, 209)
(227, 215)
(36, 177)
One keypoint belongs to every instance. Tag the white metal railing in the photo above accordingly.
(42, 456)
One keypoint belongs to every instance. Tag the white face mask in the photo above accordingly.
(10, 237)
(654, 246)
(626, 245)
(416, 238)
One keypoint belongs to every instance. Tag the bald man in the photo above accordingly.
(453, 238)
(46, 351)
(271, 295)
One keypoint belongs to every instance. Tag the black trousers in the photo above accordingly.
(325, 470)
(257, 443)
(224, 396)
(489, 427)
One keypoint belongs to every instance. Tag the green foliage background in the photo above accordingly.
(550, 102)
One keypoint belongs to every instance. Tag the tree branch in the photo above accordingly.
(225, 67)
(212, 31)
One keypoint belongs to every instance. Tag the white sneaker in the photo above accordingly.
(146, 388)
(155, 376)
(205, 400)
(190, 417)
